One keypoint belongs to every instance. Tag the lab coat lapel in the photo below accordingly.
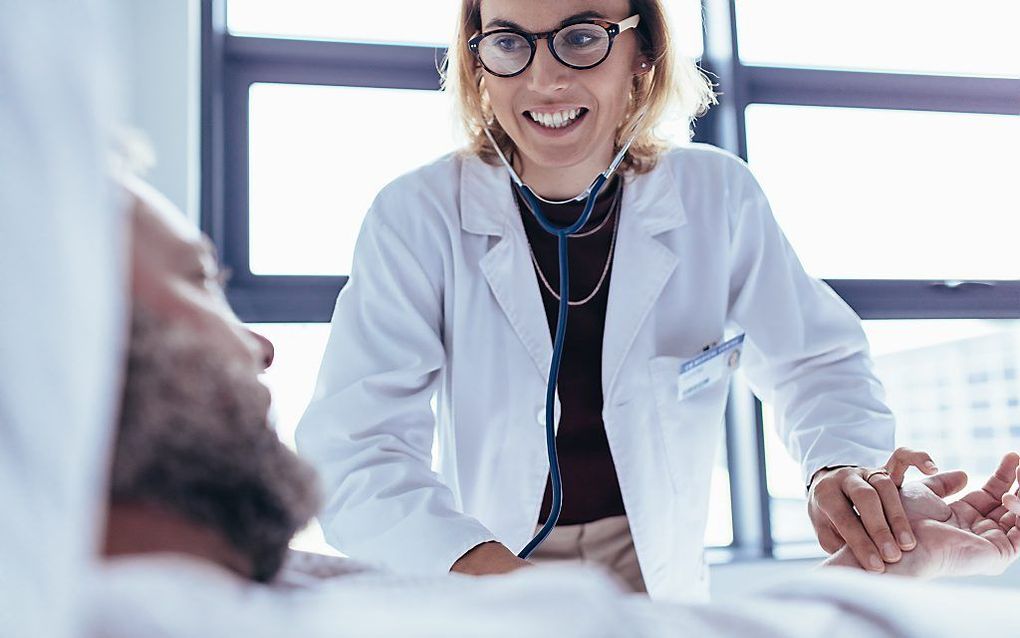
(488, 208)
(642, 264)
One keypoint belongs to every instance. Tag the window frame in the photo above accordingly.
(745, 84)
(230, 64)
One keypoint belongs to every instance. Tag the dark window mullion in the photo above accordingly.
(334, 63)
(935, 299)
(862, 89)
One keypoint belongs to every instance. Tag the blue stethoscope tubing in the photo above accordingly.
(562, 233)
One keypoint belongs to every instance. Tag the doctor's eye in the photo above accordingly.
(508, 43)
(581, 38)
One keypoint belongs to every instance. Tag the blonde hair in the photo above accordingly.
(674, 86)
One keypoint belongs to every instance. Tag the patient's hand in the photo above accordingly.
(1011, 501)
(974, 535)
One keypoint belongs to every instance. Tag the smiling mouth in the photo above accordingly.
(559, 119)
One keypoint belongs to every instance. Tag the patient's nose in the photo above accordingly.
(266, 348)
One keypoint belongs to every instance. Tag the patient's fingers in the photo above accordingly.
(1011, 502)
(997, 513)
(990, 496)
(905, 458)
(1014, 538)
(947, 483)
(1009, 523)
(984, 526)
(894, 512)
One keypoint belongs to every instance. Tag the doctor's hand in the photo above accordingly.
(488, 559)
(878, 532)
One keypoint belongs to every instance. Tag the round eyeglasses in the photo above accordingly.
(578, 45)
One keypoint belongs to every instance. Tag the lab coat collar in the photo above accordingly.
(487, 203)
(654, 198)
(486, 198)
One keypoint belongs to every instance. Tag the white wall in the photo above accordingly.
(160, 60)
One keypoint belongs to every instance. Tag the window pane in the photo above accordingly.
(399, 21)
(687, 27)
(870, 194)
(921, 36)
(954, 386)
(291, 379)
(403, 21)
(318, 157)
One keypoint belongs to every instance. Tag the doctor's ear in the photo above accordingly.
(642, 65)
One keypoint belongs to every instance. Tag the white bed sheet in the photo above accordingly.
(175, 597)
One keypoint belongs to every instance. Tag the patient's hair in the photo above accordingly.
(192, 441)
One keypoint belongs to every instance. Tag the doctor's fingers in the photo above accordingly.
(828, 537)
(839, 509)
(903, 459)
(875, 517)
(895, 514)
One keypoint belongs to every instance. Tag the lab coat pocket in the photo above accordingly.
(690, 426)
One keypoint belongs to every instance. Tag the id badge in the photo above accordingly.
(708, 367)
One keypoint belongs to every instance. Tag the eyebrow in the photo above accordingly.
(499, 23)
(202, 252)
(209, 248)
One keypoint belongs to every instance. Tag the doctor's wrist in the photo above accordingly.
(822, 471)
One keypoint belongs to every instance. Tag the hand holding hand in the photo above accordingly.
(881, 532)
(976, 535)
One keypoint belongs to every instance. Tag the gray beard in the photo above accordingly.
(194, 440)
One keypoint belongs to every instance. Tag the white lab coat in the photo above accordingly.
(62, 284)
(443, 299)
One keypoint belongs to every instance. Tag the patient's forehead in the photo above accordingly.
(163, 236)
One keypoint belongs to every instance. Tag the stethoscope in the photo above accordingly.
(562, 233)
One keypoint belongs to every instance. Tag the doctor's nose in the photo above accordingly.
(546, 74)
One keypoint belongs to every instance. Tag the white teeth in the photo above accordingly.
(555, 120)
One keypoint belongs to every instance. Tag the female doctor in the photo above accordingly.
(453, 295)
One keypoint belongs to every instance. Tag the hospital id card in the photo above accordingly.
(709, 367)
